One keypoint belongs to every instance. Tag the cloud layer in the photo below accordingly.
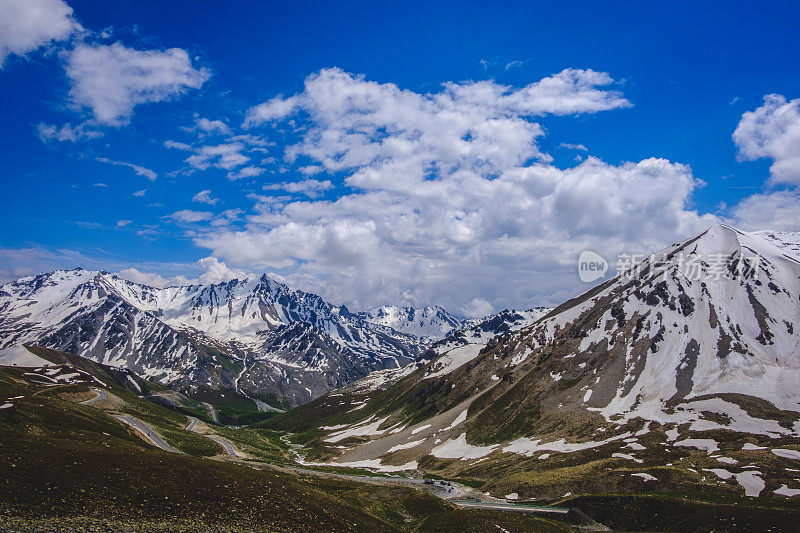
(775, 210)
(773, 131)
(211, 269)
(446, 197)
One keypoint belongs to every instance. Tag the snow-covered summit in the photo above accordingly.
(696, 328)
(427, 324)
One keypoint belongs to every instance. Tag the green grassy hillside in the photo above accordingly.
(68, 466)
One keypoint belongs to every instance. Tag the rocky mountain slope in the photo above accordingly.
(254, 336)
(695, 349)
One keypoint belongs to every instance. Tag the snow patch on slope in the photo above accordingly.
(459, 449)
(453, 359)
(361, 430)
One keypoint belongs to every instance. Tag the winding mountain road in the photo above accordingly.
(101, 395)
(212, 412)
(449, 491)
(226, 444)
(192, 423)
(149, 433)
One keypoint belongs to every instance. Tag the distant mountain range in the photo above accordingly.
(696, 343)
(427, 324)
(255, 337)
(696, 347)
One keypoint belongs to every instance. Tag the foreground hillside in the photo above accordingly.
(664, 381)
(72, 466)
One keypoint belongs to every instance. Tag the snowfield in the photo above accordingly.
(788, 454)
(362, 430)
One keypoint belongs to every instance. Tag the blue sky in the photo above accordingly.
(111, 112)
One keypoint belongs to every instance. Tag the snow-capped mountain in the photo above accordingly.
(463, 345)
(428, 324)
(458, 347)
(699, 342)
(709, 318)
(226, 335)
(483, 330)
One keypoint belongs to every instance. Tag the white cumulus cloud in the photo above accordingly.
(189, 216)
(26, 25)
(66, 133)
(204, 197)
(225, 156)
(479, 126)
(111, 80)
(138, 169)
(773, 131)
(177, 145)
(208, 270)
(216, 271)
(212, 126)
(447, 198)
(776, 210)
(477, 308)
(250, 171)
(511, 240)
(153, 280)
(310, 188)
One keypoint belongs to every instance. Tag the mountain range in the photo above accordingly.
(694, 348)
(255, 338)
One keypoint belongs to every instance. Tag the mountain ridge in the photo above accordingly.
(429, 324)
(196, 335)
